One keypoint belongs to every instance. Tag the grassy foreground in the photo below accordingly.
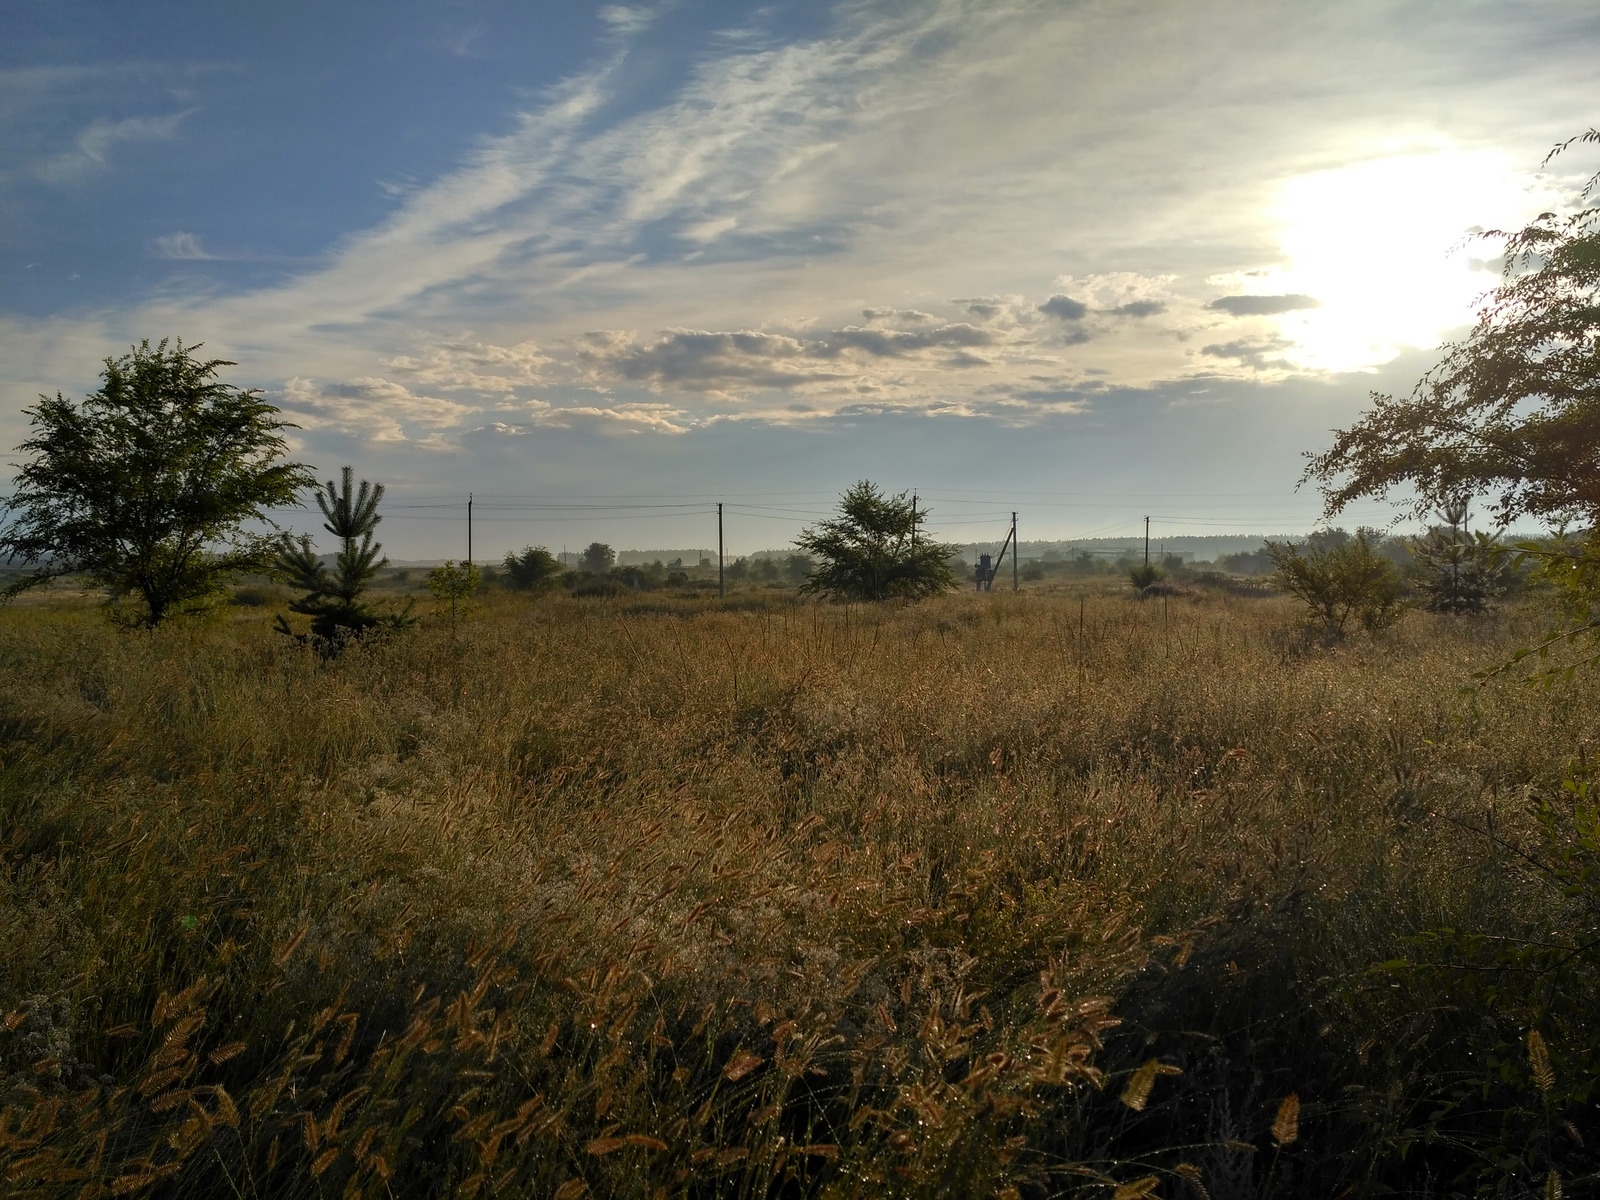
(992, 896)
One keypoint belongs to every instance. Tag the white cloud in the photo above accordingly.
(473, 366)
(91, 150)
(182, 246)
(627, 19)
(371, 408)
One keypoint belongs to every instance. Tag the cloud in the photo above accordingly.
(801, 164)
(91, 150)
(182, 246)
(625, 418)
(473, 366)
(1262, 306)
(738, 363)
(625, 19)
(372, 408)
(1064, 307)
(699, 360)
(985, 308)
(1261, 354)
(898, 343)
(911, 315)
(608, 419)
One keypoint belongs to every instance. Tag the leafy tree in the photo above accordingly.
(333, 599)
(1457, 568)
(598, 558)
(1514, 410)
(1340, 581)
(534, 570)
(146, 485)
(454, 584)
(873, 550)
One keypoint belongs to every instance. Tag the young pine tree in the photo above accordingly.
(1456, 568)
(334, 598)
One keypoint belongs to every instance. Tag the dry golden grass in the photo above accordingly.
(663, 899)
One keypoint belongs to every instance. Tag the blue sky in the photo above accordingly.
(1085, 260)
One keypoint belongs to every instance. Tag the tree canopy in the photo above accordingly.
(1511, 412)
(874, 550)
(598, 558)
(145, 486)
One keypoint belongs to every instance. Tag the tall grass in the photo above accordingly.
(995, 895)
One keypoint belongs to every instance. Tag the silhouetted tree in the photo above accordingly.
(598, 558)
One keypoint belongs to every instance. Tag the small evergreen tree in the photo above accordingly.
(534, 570)
(1144, 575)
(1456, 568)
(334, 598)
(873, 551)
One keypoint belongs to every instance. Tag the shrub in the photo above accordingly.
(1340, 580)
(1143, 576)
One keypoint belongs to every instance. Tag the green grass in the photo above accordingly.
(655, 897)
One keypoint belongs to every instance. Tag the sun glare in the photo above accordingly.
(1384, 246)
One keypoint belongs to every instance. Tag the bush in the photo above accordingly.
(1143, 576)
(1340, 579)
(534, 570)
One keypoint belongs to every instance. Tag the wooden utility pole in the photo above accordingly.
(913, 520)
(1147, 541)
(722, 589)
(1016, 583)
(469, 529)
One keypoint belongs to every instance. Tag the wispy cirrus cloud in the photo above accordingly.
(183, 246)
(92, 149)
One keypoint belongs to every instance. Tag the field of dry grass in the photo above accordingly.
(1029, 895)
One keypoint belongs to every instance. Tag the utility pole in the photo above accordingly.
(1016, 584)
(913, 520)
(469, 529)
(1147, 541)
(722, 589)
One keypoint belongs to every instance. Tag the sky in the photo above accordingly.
(604, 265)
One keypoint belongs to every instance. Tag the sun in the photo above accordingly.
(1386, 248)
